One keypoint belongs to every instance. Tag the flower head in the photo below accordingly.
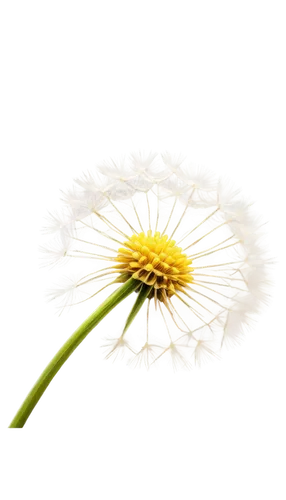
(192, 243)
(156, 261)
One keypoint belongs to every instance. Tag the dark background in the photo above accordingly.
(89, 393)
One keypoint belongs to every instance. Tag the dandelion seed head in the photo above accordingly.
(190, 234)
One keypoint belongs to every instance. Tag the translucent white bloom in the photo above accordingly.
(66, 290)
(146, 356)
(190, 238)
(178, 355)
(117, 348)
(65, 293)
(204, 342)
(57, 250)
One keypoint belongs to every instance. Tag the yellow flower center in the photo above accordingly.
(156, 261)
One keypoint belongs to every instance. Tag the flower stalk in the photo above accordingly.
(67, 349)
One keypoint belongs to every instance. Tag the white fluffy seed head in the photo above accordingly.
(112, 226)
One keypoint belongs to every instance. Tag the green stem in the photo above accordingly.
(67, 349)
(142, 296)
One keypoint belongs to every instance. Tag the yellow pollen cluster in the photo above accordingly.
(156, 261)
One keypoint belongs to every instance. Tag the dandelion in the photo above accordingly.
(187, 243)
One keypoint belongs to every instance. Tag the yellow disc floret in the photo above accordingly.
(156, 261)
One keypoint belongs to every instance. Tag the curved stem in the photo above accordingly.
(67, 349)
